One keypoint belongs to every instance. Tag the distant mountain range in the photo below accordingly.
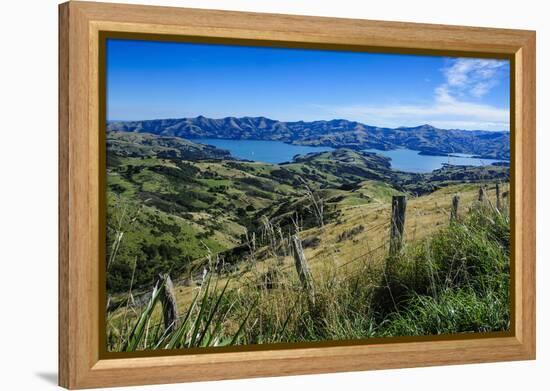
(334, 133)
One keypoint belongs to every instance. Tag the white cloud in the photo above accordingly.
(475, 77)
(443, 113)
(451, 108)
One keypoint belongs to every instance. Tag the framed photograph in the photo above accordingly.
(246, 195)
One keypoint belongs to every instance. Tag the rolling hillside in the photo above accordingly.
(173, 201)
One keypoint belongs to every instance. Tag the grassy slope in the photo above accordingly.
(369, 207)
(454, 279)
(174, 212)
(176, 201)
(180, 216)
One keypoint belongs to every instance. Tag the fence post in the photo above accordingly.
(481, 195)
(397, 225)
(168, 301)
(302, 267)
(497, 189)
(454, 208)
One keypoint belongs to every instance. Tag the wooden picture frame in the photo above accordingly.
(81, 364)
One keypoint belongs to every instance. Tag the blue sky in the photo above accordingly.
(152, 80)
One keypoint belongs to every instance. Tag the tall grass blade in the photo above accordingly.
(137, 332)
(241, 327)
(177, 336)
(212, 314)
(199, 318)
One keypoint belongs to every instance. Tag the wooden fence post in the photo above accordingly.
(497, 189)
(302, 267)
(397, 225)
(505, 195)
(454, 208)
(481, 194)
(168, 301)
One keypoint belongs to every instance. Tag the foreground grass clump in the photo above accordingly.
(199, 326)
(456, 281)
(452, 311)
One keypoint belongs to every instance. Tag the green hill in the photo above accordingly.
(172, 202)
(335, 133)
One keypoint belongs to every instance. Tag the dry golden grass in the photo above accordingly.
(337, 257)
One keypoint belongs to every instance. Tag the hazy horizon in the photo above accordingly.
(275, 119)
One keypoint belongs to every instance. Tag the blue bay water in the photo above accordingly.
(274, 152)
(410, 161)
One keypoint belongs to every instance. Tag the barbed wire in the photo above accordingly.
(379, 226)
(264, 283)
(364, 255)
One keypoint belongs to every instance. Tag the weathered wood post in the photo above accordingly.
(302, 267)
(505, 200)
(481, 194)
(397, 225)
(497, 189)
(168, 301)
(270, 279)
(454, 208)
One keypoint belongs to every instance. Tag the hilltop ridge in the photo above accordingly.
(332, 133)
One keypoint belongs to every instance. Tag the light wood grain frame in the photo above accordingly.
(80, 24)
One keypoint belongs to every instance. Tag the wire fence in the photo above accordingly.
(268, 278)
